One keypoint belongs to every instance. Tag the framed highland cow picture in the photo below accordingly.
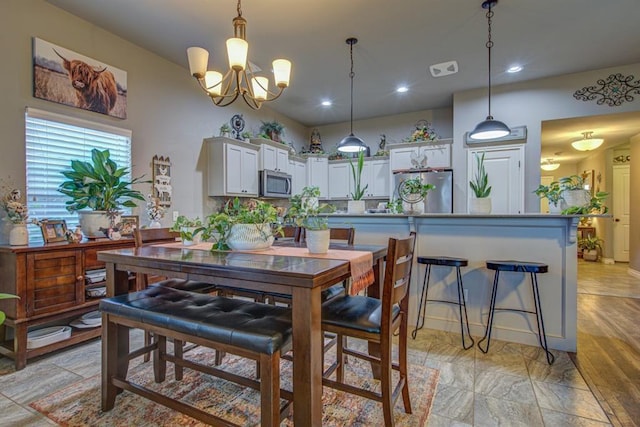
(66, 77)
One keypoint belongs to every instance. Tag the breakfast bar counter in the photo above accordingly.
(544, 238)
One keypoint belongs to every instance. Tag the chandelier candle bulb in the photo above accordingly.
(282, 72)
(237, 51)
(260, 87)
(213, 82)
(198, 59)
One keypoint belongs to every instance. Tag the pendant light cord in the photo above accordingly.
(351, 76)
(489, 45)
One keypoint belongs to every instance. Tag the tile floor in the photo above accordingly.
(512, 385)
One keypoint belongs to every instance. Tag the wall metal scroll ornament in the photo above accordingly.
(613, 91)
(162, 180)
(237, 126)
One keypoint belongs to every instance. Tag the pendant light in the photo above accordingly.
(351, 143)
(587, 143)
(549, 165)
(490, 128)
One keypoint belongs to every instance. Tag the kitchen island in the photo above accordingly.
(550, 239)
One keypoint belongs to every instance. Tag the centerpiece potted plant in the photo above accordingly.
(305, 211)
(356, 205)
(273, 130)
(481, 203)
(190, 229)
(98, 189)
(573, 191)
(553, 193)
(412, 191)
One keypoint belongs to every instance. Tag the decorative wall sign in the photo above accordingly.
(162, 180)
(622, 159)
(66, 77)
(613, 91)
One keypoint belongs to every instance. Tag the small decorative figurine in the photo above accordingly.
(315, 146)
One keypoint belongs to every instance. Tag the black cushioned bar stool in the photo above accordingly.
(533, 268)
(461, 303)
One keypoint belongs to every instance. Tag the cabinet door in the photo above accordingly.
(282, 161)
(249, 172)
(298, 171)
(438, 156)
(431, 156)
(400, 158)
(233, 172)
(340, 185)
(268, 157)
(54, 281)
(318, 174)
(378, 178)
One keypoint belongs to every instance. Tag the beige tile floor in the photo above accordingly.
(512, 385)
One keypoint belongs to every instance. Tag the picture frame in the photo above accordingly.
(128, 224)
(54, 230)
(589, 180)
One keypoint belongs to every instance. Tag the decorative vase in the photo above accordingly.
(355, 206)
(155, 224)
(576, 197)
(19, 235)
(96, 224)
(250, 237)
(318, 241)
(480, 206)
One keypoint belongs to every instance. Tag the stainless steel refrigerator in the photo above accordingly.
(440, 199)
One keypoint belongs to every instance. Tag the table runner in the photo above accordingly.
(361, 267)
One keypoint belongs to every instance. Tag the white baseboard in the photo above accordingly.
(608, 261)
(634, 273)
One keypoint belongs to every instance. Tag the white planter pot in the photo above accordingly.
(155, 224)
(355, 206)
(576, 198)
(555, 208)
(480, 206)
(318, 241)
(187, 242)
(250, 237)
(19, 235)
(590, 255)
(414, 208)
(95, 224)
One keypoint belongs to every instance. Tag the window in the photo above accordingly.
(52, 141)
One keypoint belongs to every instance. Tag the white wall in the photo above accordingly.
(167, 112)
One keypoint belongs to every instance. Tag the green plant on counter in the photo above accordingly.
(305, 210)
(552, 192)
(5, 296)
(573, 182)
(187, 227)
(415, 186)
(480, 184)
(356, 171)
(395, 206)
(595, 206)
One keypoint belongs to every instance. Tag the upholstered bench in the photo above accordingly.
(252, 330)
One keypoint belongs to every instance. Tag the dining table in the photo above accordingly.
(302, 277)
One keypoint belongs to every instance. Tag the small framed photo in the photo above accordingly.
(54, 230)
(128, 224)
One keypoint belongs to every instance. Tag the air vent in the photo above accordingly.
(444, 69)
(518, 135)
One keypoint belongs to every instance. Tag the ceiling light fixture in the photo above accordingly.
(549, 165)
(514, 69)
(402, 89)
(240, 80)
(326, 103)
(351, 143)
(587, 143)
(489, 128)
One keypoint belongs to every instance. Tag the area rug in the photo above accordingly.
(79, 404)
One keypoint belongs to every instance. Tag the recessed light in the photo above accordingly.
(326, 103)
(514, 69)
(402, 89)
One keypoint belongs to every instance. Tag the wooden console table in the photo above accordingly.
(50, 281)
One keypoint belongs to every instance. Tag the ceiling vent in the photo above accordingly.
(444, 68)
(518, 135)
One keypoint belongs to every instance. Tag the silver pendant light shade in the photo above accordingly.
(351, 143)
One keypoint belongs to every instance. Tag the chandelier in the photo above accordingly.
(239, 80)
(489, 128)
(587, 143)
(549, 165)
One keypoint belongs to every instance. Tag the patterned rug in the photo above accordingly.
(79, 404)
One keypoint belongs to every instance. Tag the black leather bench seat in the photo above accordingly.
(257, 327)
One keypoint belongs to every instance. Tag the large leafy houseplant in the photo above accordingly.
(356, 171)
(480, 183)
(272, 130)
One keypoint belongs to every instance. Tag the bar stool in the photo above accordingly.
(533, 268)
(422, 308)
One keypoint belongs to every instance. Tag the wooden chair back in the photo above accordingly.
(149, 236)
(348, 235)
(397, 278)
(290, 231)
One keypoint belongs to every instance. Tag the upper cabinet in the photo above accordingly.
(375, 174)
(420, 155)
(232, 167)
(298, 171)
(273, 155)
(340, 180)
(318, 174)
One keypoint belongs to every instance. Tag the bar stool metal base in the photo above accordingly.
(527, 267)
(461, 303)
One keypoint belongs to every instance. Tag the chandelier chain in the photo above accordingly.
(489, 45)
(239, 8)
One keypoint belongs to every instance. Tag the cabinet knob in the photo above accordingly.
(617, 220)
(79, 278)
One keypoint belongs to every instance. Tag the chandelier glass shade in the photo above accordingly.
(587, 143)
(239, 80)
(351, 143)
(549, 165)
(489, 128)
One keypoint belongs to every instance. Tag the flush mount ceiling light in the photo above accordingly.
(443, 69)
(549, 165)
(490, 128)
(587, 143)
(514, 69)
(240, 80)
(351, 143)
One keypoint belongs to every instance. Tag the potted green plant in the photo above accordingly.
(98, 189)
(273, 130)
(225, 130)
(356, 204)
(189, 229)
(573, 191)
(239, 226)
(412, 191)
(590, 246)
(246, 135)
(481, 203)
(305, 211)
(553, 193)
(595, 205)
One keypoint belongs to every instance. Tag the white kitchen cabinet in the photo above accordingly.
(232, 167)
(340, 181)
(376, 175)
(275, 159)
(298, 171)
(318, 174)
(420, 155)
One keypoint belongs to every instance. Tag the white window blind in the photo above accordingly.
(52, 141)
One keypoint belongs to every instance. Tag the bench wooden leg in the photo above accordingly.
(270, 389)
(159, 361)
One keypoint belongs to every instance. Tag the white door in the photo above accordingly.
(621, 207)
(544, 202)
(506, 177)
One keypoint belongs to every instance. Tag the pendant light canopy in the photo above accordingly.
(351, 143)
(587, 143)
(490, 128)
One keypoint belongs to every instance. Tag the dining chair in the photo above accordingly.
(376, 321)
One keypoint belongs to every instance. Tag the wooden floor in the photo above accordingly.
(608, 355)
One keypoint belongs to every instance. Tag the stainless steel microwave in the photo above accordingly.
(275, 184)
